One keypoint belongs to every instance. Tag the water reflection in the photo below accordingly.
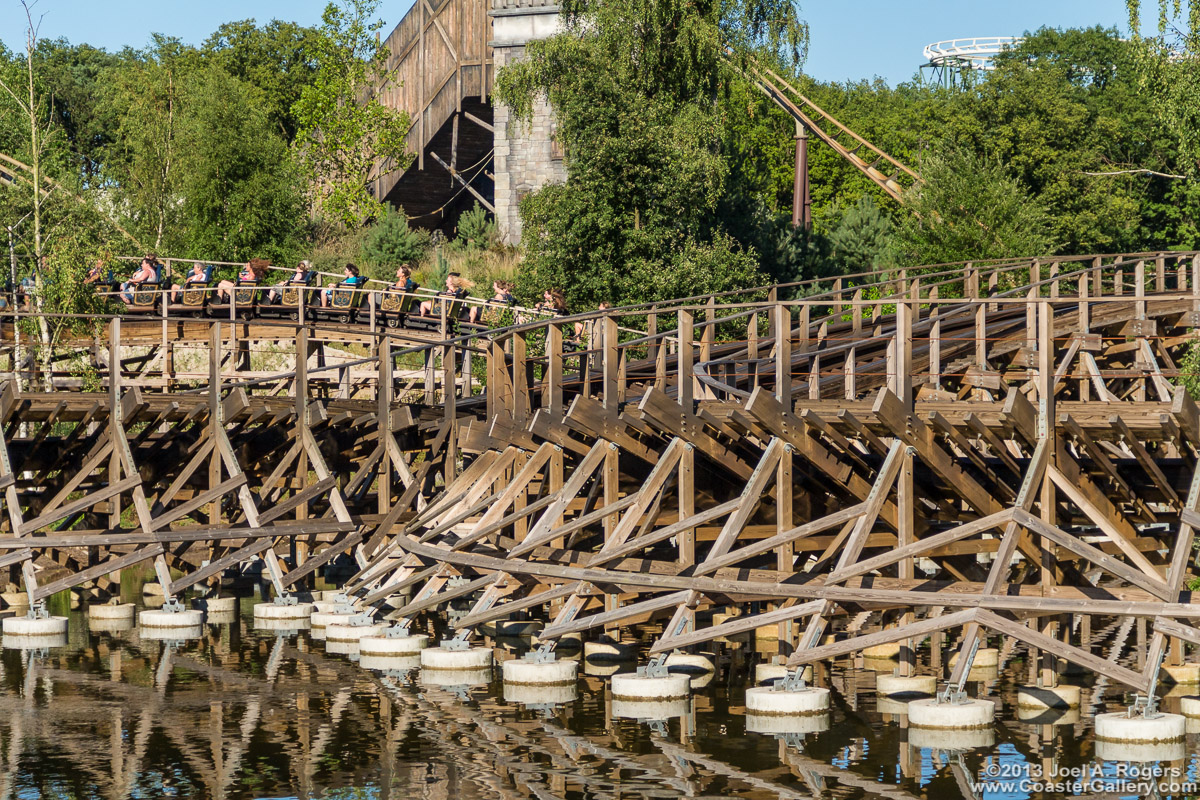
(243, 712)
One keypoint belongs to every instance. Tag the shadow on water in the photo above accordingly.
(245, 713)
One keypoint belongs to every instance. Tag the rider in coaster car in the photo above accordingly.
(350, 278)
(456, 289)
(146, 271)
(253, 271)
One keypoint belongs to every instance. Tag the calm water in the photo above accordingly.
(244, 713)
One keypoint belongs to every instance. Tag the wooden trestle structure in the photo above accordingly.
(960, 452)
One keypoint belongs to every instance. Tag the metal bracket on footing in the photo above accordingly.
(657, 668)
(396, 631)
(38, 610)
(172, 605)
(459, 642)
(793, 682)
(285, 600)
(359, 620)
(953, 693)
(543, 655)
(1145, 706)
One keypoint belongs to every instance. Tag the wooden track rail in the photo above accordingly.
(960, 452)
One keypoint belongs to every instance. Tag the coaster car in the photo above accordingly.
(147, 293)
(395, 306)
(195, 296)
(344, 301)
(433, 322)
(290, 293)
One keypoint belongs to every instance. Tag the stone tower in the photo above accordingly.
(527, 155)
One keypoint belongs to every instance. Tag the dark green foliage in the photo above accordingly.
(390, 242)
(476, 230)
(276, 58)
(861, 239)
(242, 198)
(968, 208)
(632, 85)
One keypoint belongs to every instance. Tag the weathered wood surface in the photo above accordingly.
(942, 457)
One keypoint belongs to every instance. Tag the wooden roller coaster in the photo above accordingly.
(989, 449)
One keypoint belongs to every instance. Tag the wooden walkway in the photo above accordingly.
(984, 450)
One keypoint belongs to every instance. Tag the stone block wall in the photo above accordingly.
(527, 156)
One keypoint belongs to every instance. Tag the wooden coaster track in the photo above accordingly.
(991, 449)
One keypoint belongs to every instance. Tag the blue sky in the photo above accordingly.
(850, 40)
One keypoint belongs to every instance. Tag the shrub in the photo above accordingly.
(391, 242)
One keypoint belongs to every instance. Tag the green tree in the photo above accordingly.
(276, 57)
(390, 242)
(345, 132)
(969, 208)
(632, 85)
(240, 196)
(143, 97)
(861, 240)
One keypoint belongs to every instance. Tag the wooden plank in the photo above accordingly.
(82, 504)
(110, 565)
(735, 626)
(184, 509)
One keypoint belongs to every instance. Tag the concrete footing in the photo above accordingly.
(275, 611)
(765, 701)
(906, 687)
(984, 657)
(216, 605)
(377, 644)
(171, 619)
(35, 627)
(658, 689)
(608, 651)
(1119, 727)
(972, 713)
(346, 632)
(14, 599)
(471, 659)
(343, 639)
(1058, 697)
(1048, 716)
(888, 650)
(1183, 674)
(548, 673)
(323, 619)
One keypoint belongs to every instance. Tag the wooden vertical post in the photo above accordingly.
(553, 399)
(611, 364)
(685, 357)
(1050, 572)
(383, 396)
(783, 354)
(450, 407)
